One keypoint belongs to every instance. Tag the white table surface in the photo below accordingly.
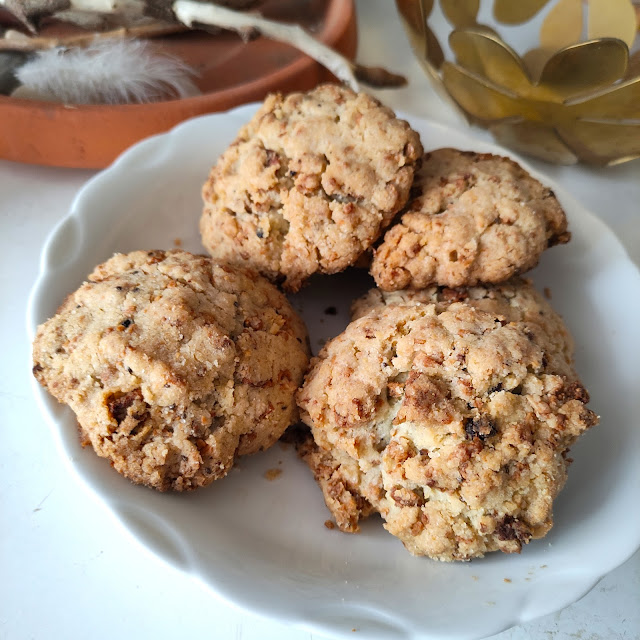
(67, 569)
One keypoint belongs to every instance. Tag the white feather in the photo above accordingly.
(117, 71)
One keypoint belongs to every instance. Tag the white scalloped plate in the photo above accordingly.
(261, 545)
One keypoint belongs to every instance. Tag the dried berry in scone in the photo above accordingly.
(309, 184)
(174, 365)
(451, 416)
(473, 218)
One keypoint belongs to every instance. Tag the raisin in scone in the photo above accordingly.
(453, 419)
(174, 365)
(474, 218)
(309, 184)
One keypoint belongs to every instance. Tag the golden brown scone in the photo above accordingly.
(174, 365)
(452, 418)
(309, 184)
(475, 218)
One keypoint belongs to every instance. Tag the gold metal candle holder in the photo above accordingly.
(574, 97)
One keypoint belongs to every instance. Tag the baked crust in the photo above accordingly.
(454, 417)
(309, 184)
(174, 365)
(473, 218)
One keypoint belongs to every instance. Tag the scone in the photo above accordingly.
(473, 218)
(451, 417)
(174, 365)
(309, 184)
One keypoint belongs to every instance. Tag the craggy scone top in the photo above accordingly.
(473, 218)
(451, 415)
(309, 184)
(174, 365)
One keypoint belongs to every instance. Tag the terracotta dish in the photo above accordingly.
(230, 73)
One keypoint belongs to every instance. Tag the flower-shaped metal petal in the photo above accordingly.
(612, 18)
(573, 70)
(414, 15)
(535, 138)
(516, 11)
(603, 142)
(581, 101)
(633, 68)
(489, 57)
(621, 103)
(562, 26)
(491, 83)
(479, 97)
(460, 13)
(585, 66)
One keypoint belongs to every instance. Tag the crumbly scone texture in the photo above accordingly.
(473, 218)
(309, 184)
(453, 419)
(339, 478)
(174, 365)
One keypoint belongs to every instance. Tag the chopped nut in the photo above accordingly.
(406, 497)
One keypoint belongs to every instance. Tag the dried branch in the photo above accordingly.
(194, 13)
(16, 41)
(101, 18)
(163, 9)
(378, 77)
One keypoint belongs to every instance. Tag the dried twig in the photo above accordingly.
(193, 13)
(16, 41)
(378, 77)
(102, 19)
